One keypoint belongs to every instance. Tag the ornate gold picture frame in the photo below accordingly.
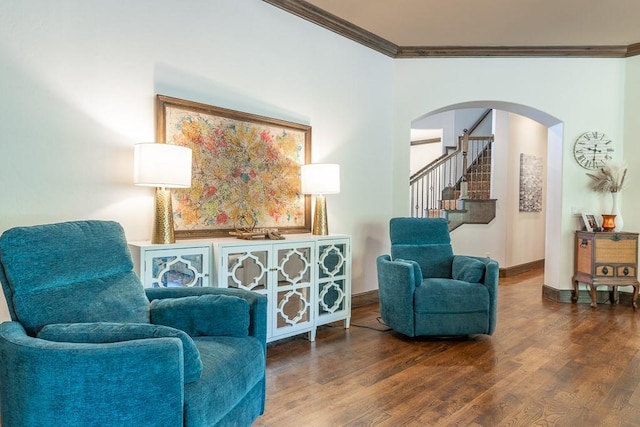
(246, 169)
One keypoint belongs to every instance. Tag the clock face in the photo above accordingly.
(592, 149)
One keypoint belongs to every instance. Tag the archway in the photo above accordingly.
(553, 199)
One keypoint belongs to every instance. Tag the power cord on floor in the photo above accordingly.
(379, 319)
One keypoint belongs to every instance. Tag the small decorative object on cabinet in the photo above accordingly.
(171, 265)
(610, 178)
(608, 222)
(589, 222)
(607, 258)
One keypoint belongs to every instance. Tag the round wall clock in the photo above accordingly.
(592, 149)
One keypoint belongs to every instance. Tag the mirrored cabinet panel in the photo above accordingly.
(175, 265)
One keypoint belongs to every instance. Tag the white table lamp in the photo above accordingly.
(163, 166)
(319, 179)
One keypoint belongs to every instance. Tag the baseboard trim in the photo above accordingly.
(364, 298)
(584, 297)
(522, 268)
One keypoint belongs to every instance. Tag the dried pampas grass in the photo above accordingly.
(610, 178)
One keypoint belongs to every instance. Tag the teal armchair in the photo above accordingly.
(87, 346)
(424, 289)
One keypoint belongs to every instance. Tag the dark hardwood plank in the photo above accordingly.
(548, 363)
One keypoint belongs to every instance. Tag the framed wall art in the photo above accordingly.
(246, 169)
(531, 181)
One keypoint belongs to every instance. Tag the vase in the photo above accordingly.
(608, 222)
(615, 210)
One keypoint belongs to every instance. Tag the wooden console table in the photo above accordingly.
(606, 259)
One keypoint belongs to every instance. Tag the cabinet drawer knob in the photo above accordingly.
(626, 271)
(605, 270)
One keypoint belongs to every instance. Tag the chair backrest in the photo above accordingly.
(424, 240)
(70, 272)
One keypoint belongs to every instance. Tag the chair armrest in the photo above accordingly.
(257, 304)
(397, 282)
(203, 315)
(89, 384)
(490, 280)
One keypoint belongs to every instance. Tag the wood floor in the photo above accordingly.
(548, 364)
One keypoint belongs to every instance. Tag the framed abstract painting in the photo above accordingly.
(246, 169)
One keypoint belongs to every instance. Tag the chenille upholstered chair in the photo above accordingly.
(87, 346)
(424, 289)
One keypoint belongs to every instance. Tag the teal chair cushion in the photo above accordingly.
(467, 269)
(233, 374)
(450, 296)
(412, 231)
(433, 254)
(96, 333)
(434, 260)
(55, 282)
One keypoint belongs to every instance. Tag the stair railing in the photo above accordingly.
(478, 174)
(438, 186)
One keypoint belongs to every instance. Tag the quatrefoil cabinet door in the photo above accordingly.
(293, 297)
(333, 282)
(283, 272)
(246, 267)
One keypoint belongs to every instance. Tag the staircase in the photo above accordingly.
(478, 175)
(457, 186)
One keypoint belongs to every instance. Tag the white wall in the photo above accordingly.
(77, 87)
(423, 154)
(581, 93)
(525, 230)
(453, 123)
(630, 199)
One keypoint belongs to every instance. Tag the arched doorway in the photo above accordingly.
(498, 233)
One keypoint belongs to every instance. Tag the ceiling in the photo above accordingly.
(419, 28)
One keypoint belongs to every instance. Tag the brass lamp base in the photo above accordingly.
(320, 225)
(163, 225)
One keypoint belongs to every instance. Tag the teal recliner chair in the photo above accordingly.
(88, 347)
(424, 289)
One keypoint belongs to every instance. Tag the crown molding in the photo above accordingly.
(346, 29)
(633, 50)
(336, 24)
(513, 51)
